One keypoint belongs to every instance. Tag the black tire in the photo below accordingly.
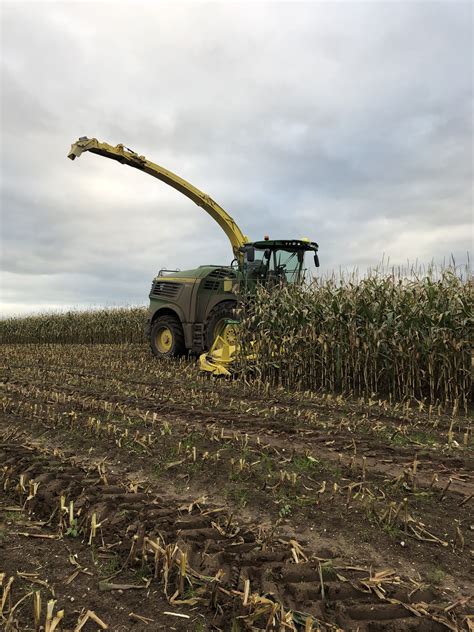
(169, 327)
(220, 312)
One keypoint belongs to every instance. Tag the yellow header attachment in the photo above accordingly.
(128, 157)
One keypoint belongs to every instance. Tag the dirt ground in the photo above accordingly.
(142, 496)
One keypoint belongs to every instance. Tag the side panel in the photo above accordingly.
(220, 285)
(191, 299)
(156, 306)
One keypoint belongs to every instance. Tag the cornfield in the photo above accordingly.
(103, 326)
(383, 335)
(403, 338)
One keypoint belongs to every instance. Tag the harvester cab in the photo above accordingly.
(193, 311)
(276, 262)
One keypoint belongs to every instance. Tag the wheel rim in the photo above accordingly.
(227, 331)
(164, 339)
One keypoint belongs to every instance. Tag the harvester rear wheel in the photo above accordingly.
(217, 317)
(167, 337)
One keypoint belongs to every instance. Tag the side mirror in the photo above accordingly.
(316, 260)
(250, 253)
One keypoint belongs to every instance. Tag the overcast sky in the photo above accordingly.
(349, 123)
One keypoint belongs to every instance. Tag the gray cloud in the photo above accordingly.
(347, 123)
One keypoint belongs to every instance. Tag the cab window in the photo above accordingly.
(286, 265)
(257, 270)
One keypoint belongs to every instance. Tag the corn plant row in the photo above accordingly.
(400, 338)
(102, 326)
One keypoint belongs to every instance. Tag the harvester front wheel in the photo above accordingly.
(216, 319)
(167, 338)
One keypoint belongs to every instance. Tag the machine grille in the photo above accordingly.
(212, 282)
(165, 289)
(222, 273)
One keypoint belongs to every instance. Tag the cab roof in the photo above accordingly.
(291, 244)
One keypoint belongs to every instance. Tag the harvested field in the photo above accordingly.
(132, 489)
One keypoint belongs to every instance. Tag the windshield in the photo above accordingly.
(286, 264)
(276, 265)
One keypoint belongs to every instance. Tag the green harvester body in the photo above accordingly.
(194, 296)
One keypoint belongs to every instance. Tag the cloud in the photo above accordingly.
(350, 123)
